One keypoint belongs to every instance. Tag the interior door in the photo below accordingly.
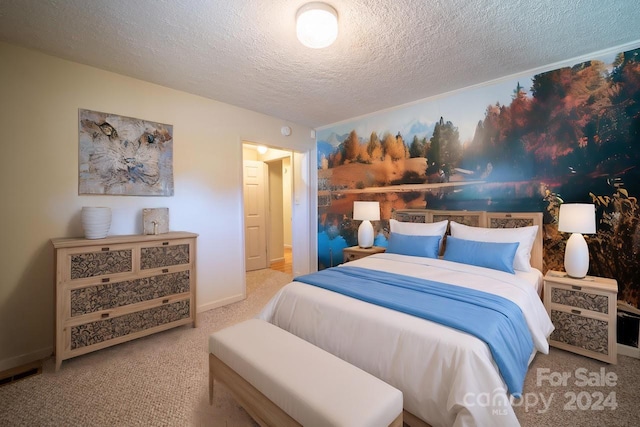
(255, 217)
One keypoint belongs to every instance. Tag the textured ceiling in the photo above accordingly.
(388, 52)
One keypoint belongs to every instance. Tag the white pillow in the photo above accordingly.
(419, 228)
(525, 236)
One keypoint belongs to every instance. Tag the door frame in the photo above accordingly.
(304, 208)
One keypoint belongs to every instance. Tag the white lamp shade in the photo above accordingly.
(577, 218)
(317, 25)
(366, 210)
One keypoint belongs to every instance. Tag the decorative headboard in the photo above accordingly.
(482, 219)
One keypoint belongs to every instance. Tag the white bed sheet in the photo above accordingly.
(445, 375)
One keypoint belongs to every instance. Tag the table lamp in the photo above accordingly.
(366, 212)
(578, 219)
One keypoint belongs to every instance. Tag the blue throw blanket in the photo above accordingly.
(497, 321)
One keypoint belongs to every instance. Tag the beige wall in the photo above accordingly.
(39, 100)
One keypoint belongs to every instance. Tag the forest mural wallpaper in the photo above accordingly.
(522, 145)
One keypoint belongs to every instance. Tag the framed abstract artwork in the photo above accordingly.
(124, 156)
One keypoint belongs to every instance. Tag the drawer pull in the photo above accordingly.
(104, 315)
(165, 243)
(105, 249)
(577, 288)
(165, 270)
(105, 280)
(575, 311)
(165, 301)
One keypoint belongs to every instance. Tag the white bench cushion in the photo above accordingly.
(313, 386)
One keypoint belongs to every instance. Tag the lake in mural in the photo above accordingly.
(522, 145)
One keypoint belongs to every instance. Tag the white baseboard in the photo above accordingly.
(626, 350)
(23, 359)
(281, 259)
(220, 303)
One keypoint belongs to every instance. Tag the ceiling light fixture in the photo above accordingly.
(317, 25)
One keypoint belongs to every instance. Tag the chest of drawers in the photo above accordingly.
(116, 289)
(584, 314)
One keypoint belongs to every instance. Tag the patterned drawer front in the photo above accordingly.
(579, 331)
(510, 222)
(108, 329)
(117, 294)
(164, 256)
(94, 264)
(411, 217)
(583, 300)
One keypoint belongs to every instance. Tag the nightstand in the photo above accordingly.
(356, 252)
(584, 314)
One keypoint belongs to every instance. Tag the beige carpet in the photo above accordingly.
(161, 380)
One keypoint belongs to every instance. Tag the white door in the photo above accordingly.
(255, 221)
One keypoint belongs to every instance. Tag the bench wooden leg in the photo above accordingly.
(211, 378)
(413, 421)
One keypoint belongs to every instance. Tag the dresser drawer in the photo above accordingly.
(580, 331)
(92, 333)
(164, 254)
(106, 296)
(99, 261)
(585, 300)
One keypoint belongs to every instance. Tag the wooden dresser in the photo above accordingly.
(119, 288)
(584, 314)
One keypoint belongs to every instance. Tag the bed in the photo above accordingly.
(448, 376)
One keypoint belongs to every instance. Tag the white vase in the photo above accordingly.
(96, 222)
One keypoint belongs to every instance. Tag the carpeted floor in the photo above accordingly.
(161, 380)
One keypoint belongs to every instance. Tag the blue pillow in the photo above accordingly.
(498, 256)
(404, 244)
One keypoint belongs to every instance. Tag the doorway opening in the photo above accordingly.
(268, 195)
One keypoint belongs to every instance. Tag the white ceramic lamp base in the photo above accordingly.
(576, 256)
(365, 234)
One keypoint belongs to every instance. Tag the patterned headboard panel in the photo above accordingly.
(482, 219)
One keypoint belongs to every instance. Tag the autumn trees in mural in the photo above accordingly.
(572, 135)
(581, 120)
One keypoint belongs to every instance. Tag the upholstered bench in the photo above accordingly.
(282, 380)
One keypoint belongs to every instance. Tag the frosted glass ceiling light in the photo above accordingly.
(317, 25)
